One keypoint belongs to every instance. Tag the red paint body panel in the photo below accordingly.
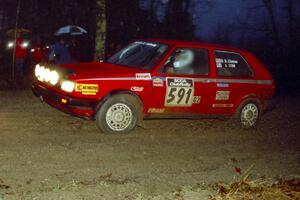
(150, 85)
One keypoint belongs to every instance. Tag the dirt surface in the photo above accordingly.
(46, 154)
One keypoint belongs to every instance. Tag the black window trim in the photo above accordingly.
(232, 52)
(160, 69)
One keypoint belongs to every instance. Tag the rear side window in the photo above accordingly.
(232, 64)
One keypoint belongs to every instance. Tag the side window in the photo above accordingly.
(232, 64)
(187, 61)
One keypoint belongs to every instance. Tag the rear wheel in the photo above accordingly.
(118, 114)
(248, 114)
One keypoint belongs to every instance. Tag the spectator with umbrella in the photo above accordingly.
(59, 52)
(70, 30)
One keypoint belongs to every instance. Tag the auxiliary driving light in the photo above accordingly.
(53, 77)
(37, 70)
(46, 75)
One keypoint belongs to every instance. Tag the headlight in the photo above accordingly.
(68, 86)
(25, 44)
(10, 45)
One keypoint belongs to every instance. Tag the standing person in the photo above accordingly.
(74, 50)
(59, 53)
(21, 54)
(36, 51)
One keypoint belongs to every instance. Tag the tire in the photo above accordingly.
(248, 114)
(118, 114)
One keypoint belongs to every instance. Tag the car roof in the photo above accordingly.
(194, 43)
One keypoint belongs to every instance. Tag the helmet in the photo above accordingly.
(183, 58)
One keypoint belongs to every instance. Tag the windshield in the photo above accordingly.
(141, 55)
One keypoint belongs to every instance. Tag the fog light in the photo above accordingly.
(64, 100)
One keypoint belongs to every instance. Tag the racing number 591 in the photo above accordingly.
(176, 95)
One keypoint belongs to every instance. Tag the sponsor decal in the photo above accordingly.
(156, 110)
(143, 76)
(137, 89)
(87, 89)
(196, 99)
(179, 92)
(222, 95)
(222, 85)
(158, 82)
(180, 82)
(222, 105)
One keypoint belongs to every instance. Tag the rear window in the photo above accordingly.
(232, 64)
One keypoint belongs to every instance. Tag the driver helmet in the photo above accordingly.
(184, 58)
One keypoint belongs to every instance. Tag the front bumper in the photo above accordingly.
(85, 108)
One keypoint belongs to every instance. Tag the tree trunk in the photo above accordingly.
(291, 23)
(100, 30)
(274, 30)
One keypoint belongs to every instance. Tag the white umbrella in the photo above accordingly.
(71, 30)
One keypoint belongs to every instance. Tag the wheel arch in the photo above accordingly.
(249, 97)
(127, 92)
(235, 119)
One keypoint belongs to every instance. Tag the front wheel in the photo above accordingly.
(117, 115)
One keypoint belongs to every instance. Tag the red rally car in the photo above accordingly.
(159, 79)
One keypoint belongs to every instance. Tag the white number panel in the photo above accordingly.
(180, 92)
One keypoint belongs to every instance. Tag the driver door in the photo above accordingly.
(182, 85)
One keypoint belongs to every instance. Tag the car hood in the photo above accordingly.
(100, 69)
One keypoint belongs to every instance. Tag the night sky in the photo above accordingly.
(208, 21)
(224, 12)
(227, 12)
